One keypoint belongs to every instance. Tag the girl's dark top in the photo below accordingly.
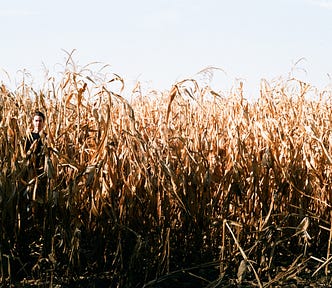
(38, 151)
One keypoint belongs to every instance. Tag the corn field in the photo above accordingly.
(186, 188)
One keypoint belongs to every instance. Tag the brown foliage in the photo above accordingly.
(138, 192)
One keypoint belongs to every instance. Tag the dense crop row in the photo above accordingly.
(189, 186)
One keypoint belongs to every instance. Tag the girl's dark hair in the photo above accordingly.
(41, 114)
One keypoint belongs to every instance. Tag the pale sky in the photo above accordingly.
(160, 42)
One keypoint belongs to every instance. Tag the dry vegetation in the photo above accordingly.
(186, 189)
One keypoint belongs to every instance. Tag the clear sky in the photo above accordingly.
(160, 42)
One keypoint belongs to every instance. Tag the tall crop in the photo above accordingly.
(189, 185)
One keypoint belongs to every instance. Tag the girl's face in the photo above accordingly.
(38, 124)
